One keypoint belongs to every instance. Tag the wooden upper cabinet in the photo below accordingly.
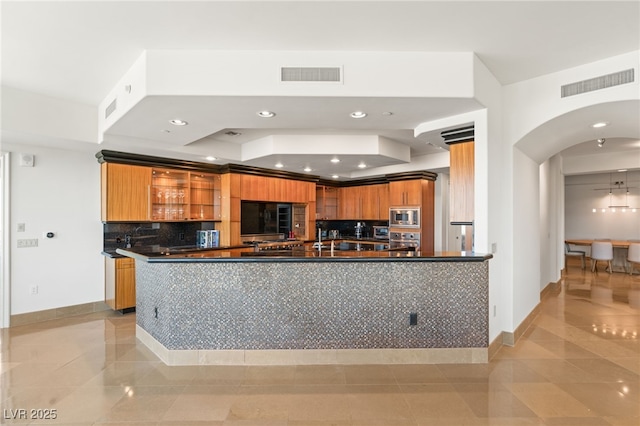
(461, 185)
(126, 192)
(263, 188)
(326, 202)
(367, 202)
(405, 193)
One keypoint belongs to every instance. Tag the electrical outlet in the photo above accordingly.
(33, 290)
(413, 319)
(495, 310)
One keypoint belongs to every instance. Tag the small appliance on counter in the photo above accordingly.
(208, 238)
(381, 232)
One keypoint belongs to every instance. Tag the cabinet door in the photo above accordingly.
(369, 202)
(349, 204)
(126, 192)
(125, 283)
(326, 202)
(405, 193)
(383, 201)
(170, 194)
(205, 197)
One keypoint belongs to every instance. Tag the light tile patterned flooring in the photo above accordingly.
(578, 364)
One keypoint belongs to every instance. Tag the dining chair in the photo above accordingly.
(569, 252)
(601, 250)
(633, 256)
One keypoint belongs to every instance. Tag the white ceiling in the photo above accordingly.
(78, 50)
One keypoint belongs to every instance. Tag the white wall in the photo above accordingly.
(61, 193)
(526, 236)
(583, 193)
(551, 221)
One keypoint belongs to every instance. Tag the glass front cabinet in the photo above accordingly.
(182, 195)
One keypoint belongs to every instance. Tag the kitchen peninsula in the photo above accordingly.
(312, 306)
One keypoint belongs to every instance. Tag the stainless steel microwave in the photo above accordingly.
(404, 217)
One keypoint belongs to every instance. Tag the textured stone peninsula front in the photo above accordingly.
(232, 312)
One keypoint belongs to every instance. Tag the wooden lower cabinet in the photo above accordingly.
(120, 283)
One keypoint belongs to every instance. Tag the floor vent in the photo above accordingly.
(609, 80)
(110, 108)
(323, 74)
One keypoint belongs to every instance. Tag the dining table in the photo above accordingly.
(620, 249)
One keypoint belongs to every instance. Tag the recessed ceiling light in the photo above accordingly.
(307, 169)
(362, 166)
(599, 124)
(165, 131)
(387, 113)
(211, 158)
(279, 165)
(266, 114)
(232, 133)
(335, 176)
(335, 160)
(358, 114)
(178, 122)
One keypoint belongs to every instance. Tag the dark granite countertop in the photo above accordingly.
(299, 254)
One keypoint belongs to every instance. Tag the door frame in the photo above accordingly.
(5, 238)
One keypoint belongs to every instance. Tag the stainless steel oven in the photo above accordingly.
(405, 217)
(404, 240)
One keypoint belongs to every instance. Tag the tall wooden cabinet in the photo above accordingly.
(417, 193)
(462, 169)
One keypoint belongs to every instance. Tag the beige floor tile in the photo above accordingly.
(202, 403)
(143, 403)
(261, 403)
(606, 399)
(491, 400)
(320, 403)
(320, 375)
(219, 375)
(549, 400)
(269, 375)
(436, 401)
(420, 373)
(368, 375)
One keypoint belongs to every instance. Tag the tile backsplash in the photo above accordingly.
(164, 234)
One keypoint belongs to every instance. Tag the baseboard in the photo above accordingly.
(494, 346)
(57, 313)
(511, 338)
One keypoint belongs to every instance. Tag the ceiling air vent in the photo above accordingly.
(597, 83)
(461, 134)
(323, 74)
(110, 108)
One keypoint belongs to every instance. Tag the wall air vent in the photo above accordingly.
(110, 108)
(597, 83)
(461, 134)
(322, 74)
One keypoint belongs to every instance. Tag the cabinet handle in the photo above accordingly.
(149, 202)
